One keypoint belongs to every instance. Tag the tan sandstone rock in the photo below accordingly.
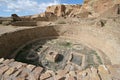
(90, 8)
(103, 71)
(45, 76)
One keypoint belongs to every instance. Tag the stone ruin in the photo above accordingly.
(18, 21)
(53, 53)
(15, 17)
(61, 52)
(5, 21)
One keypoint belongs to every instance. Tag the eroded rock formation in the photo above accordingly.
(88, 9)
(64, 10)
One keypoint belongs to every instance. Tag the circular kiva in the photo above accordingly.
(57, 54)
(104, 49)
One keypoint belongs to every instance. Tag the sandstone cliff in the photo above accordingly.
(64, 10)
(98, 7)
(90, 8)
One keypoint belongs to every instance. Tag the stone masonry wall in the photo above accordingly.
(24, 23)
(11, 41)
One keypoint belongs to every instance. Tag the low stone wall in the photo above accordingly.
(45, 19)
(24, 23)
(41, 19)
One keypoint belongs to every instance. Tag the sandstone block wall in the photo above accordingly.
(9, 42)
(24, 23)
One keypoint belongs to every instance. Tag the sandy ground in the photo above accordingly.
(7, 29)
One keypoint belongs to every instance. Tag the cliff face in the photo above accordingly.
(98, 7)
(64, 10)
(90, 8)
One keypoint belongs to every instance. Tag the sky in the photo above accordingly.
(29, 7)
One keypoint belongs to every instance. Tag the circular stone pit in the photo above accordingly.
(57, 54)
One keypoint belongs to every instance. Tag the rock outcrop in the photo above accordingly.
(46, 16)
(98, 7)
(90, 8)
(64, 10)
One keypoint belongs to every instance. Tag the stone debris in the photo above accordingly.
(52, 56)
(94, 74)
(60, 74)
(37, 72)
(17, 73)
(31, 72)
(6, 62)
(114, 71)
(10, 71)
(3, 69)
(30, 67)
(15, 65)
(103, 73)
(71, 78)
(45, 76)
